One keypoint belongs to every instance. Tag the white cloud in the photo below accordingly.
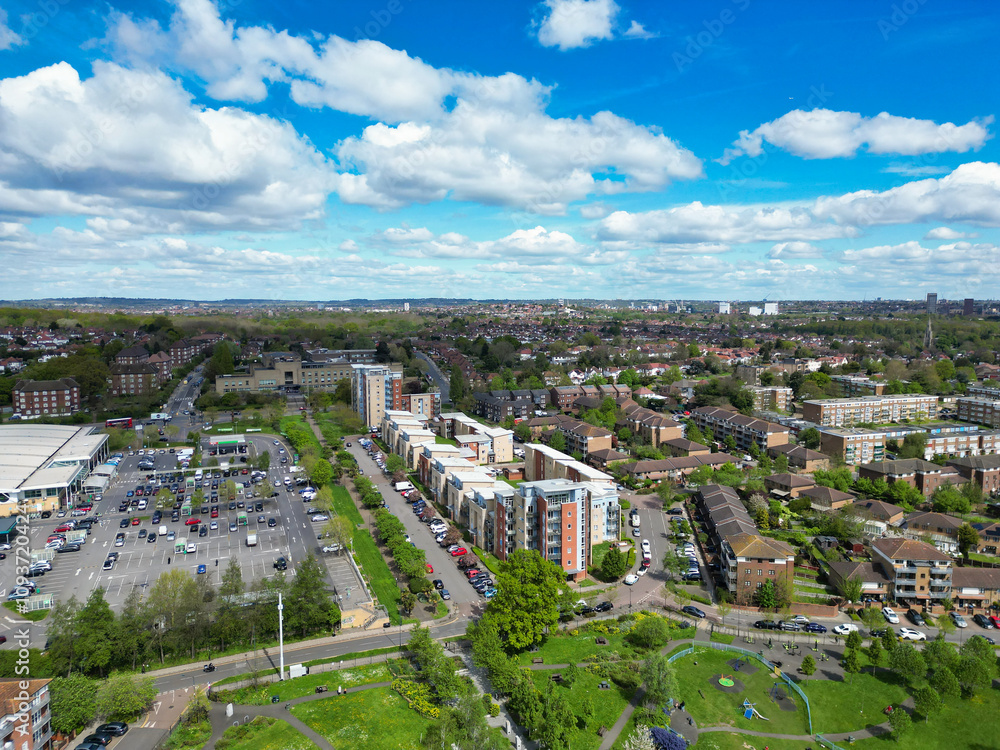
(825, 134)
(971, 193)
(595, 210)
(131, 146)
(911, 262)
(794, 251)
(577, 23)
(696, 222)
(8, 37)
(915, 170)
(637, 31)
(947, 233)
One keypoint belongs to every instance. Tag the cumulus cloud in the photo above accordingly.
(577, 23)
(696, 222)
(637, 31)
(971, 193)
(131, 146)
(794, 251)
(911, 261)
(826, 134)
(947, 233)
(8, 37)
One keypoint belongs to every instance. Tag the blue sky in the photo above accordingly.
(568, 148)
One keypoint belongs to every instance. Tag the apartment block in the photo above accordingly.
(496, 408)
(990, 390)
(583, 438)
(920, 573)
(857, 385)
(422, 404)
(984, 470)
(771, 398)
(459, 488)
(431, 451)
(800, 457)
(854, 445)
(916, 472)
(542, 462)
(374, 390)
(744, 430)
(133, 380)
(36, 398)
(163, 363)
(846, 412)
(654, 428)
(27, 718)
(488, 445)
(132, 355)
(979, 410)
(678, 468)
(750, 560)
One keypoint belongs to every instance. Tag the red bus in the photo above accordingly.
(122, 423)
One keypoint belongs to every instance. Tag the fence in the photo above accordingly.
(754, 655)
(824, 742)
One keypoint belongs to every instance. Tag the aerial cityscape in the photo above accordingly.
(557, 375)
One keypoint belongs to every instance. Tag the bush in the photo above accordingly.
(626, 676)
(494, 709)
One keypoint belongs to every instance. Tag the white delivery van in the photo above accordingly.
(403, 486)
(251, 540)
(163, 530)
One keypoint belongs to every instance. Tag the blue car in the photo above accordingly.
(201, 568)
(490, 593)
(814, 627)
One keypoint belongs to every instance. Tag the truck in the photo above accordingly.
(403, 486)
(251, 539)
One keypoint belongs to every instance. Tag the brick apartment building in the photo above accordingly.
(132, 355)
(36, 398)
(133, 380)
(846, 412)
(853, 444)
(770, 398)
(979, 410)
(984, 470)
(163, 363)
(422, 404)
(857, 385)
(916, 472)
(27, 719)
(744, 430)
(583, 438)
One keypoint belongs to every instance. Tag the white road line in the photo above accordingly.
(91, 576)
(78, 571)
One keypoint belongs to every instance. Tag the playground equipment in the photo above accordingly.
(726, 681)
(750, 710)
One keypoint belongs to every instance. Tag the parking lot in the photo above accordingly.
(141, 561)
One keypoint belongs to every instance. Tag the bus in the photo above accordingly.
(122, 423)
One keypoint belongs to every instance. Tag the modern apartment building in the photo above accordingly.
(853, 444)
(36, 398)
(583, 438)
(846, 412)
(422, 404)
(542, 462)
(979, 410)
(376, 389)
(488, 445)
(26, 723)
(744, 430)
(920, 573)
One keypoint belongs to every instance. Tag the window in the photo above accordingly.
(760, 572)
(770, 572)
(748, 571)
(760, 584)
(747, 584)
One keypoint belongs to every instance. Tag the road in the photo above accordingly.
(442, 562)
(437, 376)
(300, 654)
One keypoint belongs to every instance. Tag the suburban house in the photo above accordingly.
(787, 485)
(827, 499)
(800, 457)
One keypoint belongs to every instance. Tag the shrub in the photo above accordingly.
(418, 696)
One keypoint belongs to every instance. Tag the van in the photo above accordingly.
(403, 486)
(162, 530)
(198, 475)
(251, 540)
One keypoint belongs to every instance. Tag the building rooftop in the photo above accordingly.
(898, 548)
(39, 456)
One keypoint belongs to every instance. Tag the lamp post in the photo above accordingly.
(281, 639)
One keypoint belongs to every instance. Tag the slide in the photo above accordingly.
(757, 714)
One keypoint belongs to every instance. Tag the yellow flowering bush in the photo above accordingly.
(418, 696)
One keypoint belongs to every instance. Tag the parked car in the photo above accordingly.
(765, 625)
(693, 611)
(915, 617)
(814, 627)
(958, 620)
(630, 579)
(844, 628)
(909, 634)
(604, 607)
(983, 621)
(890, 616)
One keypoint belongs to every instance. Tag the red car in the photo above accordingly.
(472, 574)
(215, 513)
(136, 521)
(192, 521)
(430, 568)
(995, 620)
(459, 552)
(62, 528)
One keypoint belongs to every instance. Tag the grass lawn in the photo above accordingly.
(343, 505)
(731, 741)
(336, 425)
(597, 553)
(717, 708)
(806, 573)
(302, 686)
(377, 718)
(586, 582)
(723, 638)
(491, 562)
(963, 724)
(608, 706)
(445, 441)
(837, 706)
(572, 649)
(189, 736)
(299, 433)
(380, 578)
(34, 616)
(264, 733)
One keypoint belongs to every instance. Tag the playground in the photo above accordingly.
(722, 689)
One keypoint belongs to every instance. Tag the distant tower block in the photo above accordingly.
(406, 307)
(770, 308)
(931, 303)
(724, 308)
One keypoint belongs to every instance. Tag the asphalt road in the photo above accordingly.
(443, 563)
(437, 376)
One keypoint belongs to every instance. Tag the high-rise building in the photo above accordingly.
(770, 308)
(969, 307)
(406, 307)
(931, 303)
(724, 308)
(375, 389)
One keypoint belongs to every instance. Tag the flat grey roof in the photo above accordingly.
(38, 455)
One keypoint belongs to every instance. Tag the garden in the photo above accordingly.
(264, 733)
(367, 719)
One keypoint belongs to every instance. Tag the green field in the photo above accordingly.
(366, 720)
(264, 733)
(337, 424)
(711, 707)
(300, 687)
(343, 505)
(608, 705)
(380, 578)
(573, 649)
(845, 706)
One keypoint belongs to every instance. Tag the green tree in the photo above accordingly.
(853, 640)
(523, 432)
(939, 654)
(851, 663)
(946, 684)
(900, 723)
(649, 633)
(95, 626)
(586, 710)
(394, 463)
(124, 696)
(614, 564)
(558, 441)
(528, 589)
(310, 608)
(464, 726)
(810, 438)
(907, 662)
(968, 540)
(927, 701)
(808, 665)
(765, 597)
(558, 720)
(948, 499)
(72, 703)
(659, 678)
(875, 653)
(458, 389)
(850, 589)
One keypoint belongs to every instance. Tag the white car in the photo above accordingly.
(891, 617)
(630, 579)
(801, 619)
(277, 442)
(55, 544)
(319, 517)
(909, 634)
(192, 547)
(5, 547)
(641, 571)
(959, 620)
(331, 548)
(645, 545)
(844, 628)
